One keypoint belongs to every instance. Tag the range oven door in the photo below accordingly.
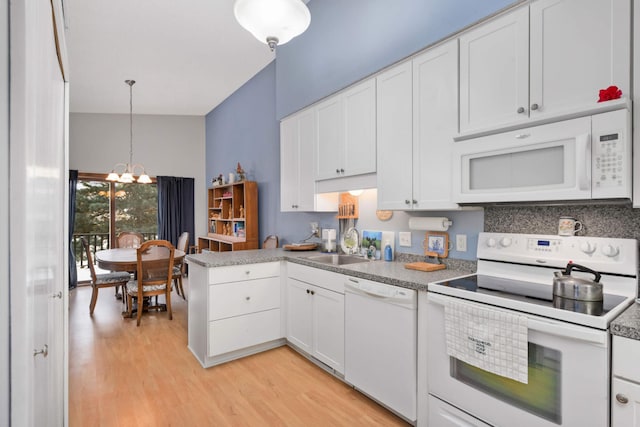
(568, 376)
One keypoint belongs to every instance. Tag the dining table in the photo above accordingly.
(126, 259)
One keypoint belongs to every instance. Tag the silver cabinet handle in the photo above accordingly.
(44, 351)
(415, 202)
(407, 201)
(534, 106)
(622, 398)
(520, 110)
(341, 170)
(58, 295)
(337, 170)
(247, 298)
(247, 272)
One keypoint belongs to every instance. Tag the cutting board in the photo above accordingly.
(424, 266)
(300, 247)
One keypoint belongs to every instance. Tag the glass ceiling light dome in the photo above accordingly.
(273, 22)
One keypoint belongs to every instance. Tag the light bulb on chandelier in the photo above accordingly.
(129, 169)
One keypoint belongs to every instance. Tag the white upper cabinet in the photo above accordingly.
(547, 60)
(395, 137)
(346, 143)
(417, 118)
(297, 163)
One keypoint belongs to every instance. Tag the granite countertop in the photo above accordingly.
(627, 325)
(392, 273)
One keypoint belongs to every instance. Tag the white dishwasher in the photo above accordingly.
(381, 343)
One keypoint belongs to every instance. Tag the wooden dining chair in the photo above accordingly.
(116, 279)
(270, 242)
(153, 277)
(179, 269)
(129, 239)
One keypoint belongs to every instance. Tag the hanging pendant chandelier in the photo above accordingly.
(128, 169)
(273, 22)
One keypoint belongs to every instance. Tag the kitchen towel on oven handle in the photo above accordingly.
(492, 340)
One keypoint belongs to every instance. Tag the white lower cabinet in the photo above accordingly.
(234, 311)
(315, 314)
(625, 385)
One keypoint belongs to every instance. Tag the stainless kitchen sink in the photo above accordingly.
(337, 259)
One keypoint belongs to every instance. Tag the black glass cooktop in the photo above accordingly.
(532, 293)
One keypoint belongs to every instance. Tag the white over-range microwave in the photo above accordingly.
(578, 159)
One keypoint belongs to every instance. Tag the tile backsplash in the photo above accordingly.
(619, 221)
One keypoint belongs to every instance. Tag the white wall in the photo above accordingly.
(165, 145)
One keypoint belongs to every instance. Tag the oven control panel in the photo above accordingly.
(599, 253)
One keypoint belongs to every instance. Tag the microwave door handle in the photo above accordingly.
(583, 161)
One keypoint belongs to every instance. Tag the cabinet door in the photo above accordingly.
(435, 122)
(299, 315)
(306, 161)
(494, 72)
(359, 108)
(329, 142)
(394, 137)
(328, 327)
(625, 414)
(289, 164)
(577, 48)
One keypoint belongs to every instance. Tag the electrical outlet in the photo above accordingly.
(315, 230)
(404, 238)
(461, 242)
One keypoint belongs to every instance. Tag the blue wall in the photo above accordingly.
(347, 40)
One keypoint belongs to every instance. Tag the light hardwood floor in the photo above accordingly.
(121, 375)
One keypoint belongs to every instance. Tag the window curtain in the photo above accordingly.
(73, 272)
(175, 208)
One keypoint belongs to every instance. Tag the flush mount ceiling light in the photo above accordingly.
(129, 168)
(273, 22)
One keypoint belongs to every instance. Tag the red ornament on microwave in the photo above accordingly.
(612, 92)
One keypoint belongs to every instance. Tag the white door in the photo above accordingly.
(625, 403)
(329, 143)
(394, 137)
(299, 316)
(494, 72)
(289, 164)
(328, 327)
(435, 122)
(359, 109)
(577, 48)
(37, 216)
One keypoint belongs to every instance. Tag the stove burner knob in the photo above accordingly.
(610, 251)
(491, 242)
(588, 248)
(505, 242)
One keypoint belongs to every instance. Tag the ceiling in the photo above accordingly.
(186, 56)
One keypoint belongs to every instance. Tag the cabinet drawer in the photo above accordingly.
(238, 298)
(625, 364)
(317, 276)
(240, 332)
(237, 273)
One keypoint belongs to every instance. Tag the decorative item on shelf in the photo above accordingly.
(129, 168)
(274, 22)
(214, 215)
(226, 194)
(230, 215)
(610, 93)
(220, 179)
(241, 213)
(240, 173)
(232, 177)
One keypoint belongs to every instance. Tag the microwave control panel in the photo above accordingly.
(611, 161)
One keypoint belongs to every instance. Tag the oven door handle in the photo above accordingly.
(549, 327)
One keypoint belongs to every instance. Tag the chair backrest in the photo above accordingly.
(155, 264)
(129, 239)
(183, 242)
(87, 250)
(270, 242)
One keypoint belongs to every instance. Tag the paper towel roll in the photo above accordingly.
(429, 223)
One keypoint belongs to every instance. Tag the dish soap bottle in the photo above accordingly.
(388, 252)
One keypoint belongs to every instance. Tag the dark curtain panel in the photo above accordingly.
(73, 272)
(175, 208)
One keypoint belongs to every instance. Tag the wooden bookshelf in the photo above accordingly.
(232, 215)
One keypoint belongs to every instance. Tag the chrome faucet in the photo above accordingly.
(353, 246)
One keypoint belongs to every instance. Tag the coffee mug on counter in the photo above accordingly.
(568, 226)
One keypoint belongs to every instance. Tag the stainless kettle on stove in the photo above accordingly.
(567, 286)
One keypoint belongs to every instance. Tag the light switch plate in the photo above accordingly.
(404, 238)
(461, 242)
